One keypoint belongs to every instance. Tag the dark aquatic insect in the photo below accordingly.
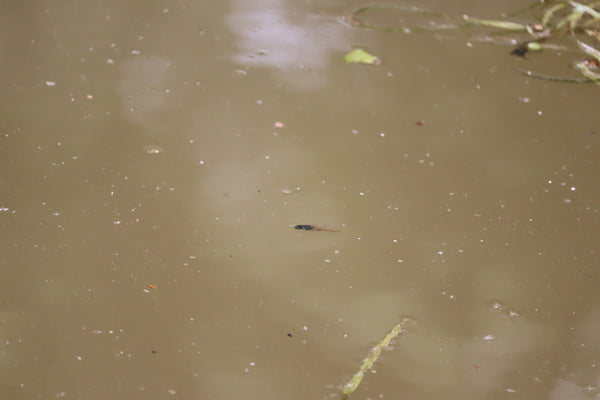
(520, 50)
(304, 227)
(314, 228)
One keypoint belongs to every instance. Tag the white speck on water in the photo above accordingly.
(539, 113)
(305, 328)
(50, 83)
(489, 338)
(400, 260)
(382, 134)
(110, 61)
(573, 188)
(496, 305)
(513, 313)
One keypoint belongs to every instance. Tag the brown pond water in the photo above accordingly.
(148, 250)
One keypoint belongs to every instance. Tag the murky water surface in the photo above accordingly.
(156, 157)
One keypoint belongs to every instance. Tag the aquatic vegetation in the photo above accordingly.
(559, 18)
(373, 355)
(556, 18)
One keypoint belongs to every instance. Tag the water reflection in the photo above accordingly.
(296, 44)
(150, 247)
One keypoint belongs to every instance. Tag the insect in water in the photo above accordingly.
(314, 228)
(520, 50)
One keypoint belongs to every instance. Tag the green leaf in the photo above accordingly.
(534, 46)
(361, 56)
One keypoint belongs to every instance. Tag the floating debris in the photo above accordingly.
(511, 26)
(373, 355)
(513, 313)
(153, 150)
(361, 56)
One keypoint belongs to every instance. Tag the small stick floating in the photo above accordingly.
(314, 228)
